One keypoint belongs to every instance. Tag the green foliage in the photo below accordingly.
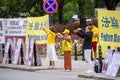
(89, 8)
(118, 5)
(21, 8)
(70, 8)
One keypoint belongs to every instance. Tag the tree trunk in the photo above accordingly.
(60, 10)
(81, 14)
(99, 3)
(111, 4)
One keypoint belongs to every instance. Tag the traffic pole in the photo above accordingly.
(51, 20)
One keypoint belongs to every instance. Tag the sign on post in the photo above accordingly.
(50, 6)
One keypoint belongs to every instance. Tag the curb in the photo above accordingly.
(96, 77)
(24, 67)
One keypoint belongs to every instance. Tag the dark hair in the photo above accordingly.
(108, 47)
(52, 29)
(90, 24)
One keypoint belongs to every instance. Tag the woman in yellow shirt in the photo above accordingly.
(51, 52)
(67, 49)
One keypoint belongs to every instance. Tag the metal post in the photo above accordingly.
(100, 59)
(21, 51)
(35, 54)
(9, 55)
(3, 50)
(75, 48)
(51, 20)
(83, 57)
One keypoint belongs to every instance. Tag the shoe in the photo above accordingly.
(52, 67)
(67, 70)
(89, 71)
(103, 71)
(95, 60)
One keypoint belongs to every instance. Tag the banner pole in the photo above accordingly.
(35, 54)
(21, 51)
(9, 54)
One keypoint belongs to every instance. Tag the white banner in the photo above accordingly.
(15, 27)
(17, 51)
(29, 54)
(7, 46)
(2, 32)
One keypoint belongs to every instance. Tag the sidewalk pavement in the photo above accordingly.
(78, 66)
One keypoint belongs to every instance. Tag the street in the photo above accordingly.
(9, 74)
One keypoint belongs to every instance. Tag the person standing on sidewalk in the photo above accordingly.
(94, 40)
(67, 49)
(51, 52)
(87, 44)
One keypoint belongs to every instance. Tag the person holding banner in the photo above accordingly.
(51, 52)
(87, 44)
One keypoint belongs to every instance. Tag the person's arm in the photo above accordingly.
(81, 34)
(59, 35)
(96, 32)
(47, 31)
(89, 34)
(68, 38)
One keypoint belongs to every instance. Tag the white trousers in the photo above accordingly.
(51, 52)
(88, 58)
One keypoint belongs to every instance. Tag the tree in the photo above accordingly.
(60, 10)
(21, 8)
(111, 4)
(86, 10)
(99, 3)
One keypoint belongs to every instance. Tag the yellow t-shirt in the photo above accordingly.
(51, 36)
(95, 31)
(67, 45)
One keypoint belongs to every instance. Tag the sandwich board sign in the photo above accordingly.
(29, 54)
(17, 51)
(9, 42)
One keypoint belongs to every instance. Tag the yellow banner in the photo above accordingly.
(35, 26)
(109, 29)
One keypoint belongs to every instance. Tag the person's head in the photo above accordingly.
(52, 29)
(88, 21)
(66, 32)
(90, 24)
(88, 29)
